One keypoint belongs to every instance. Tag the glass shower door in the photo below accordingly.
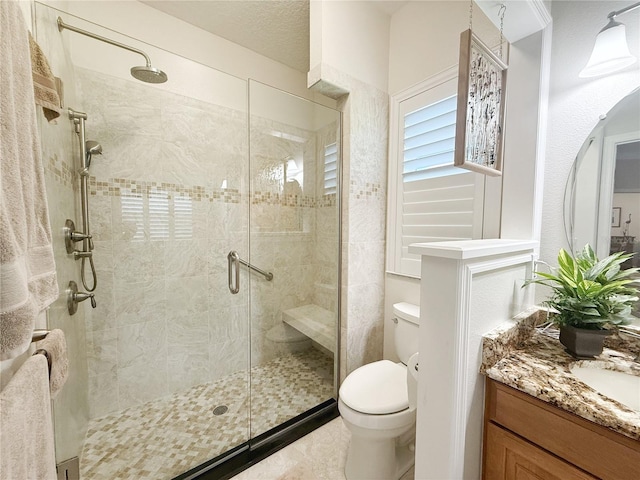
(159, 370)
(294, 234)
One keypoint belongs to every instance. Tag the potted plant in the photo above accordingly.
(590, 297)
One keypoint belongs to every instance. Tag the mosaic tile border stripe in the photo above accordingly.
(367, 190)
(60, 170)
(116, 187)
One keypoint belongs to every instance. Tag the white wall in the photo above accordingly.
(576, 103)
(425, 39)
(471, 287)
(353, 37)
(527, 81)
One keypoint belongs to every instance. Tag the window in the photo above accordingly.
(330, 168)
(157, 214)
(430, 199)
(132, 215)
(182, 217)
(429, 141)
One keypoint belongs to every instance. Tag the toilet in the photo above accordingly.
(377, 403)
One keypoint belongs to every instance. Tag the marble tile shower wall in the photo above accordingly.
(168, 202)
(327, 237)
(365, 133)
(165, 211)
(285, 239)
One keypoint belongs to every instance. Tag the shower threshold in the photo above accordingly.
(244, 456)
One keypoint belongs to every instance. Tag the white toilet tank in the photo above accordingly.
(406, 329)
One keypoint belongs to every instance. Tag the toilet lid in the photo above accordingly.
(376, 388)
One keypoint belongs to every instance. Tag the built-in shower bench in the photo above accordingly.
(315, 322)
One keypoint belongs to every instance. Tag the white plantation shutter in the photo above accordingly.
(434, 201)
(436, 210)
(429, 141)
(330, 168)
(151, 213)
(132, 206)
(182, 213)
(158, 215)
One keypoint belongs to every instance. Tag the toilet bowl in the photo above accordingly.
(377, 403)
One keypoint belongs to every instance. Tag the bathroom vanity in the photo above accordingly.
(542, 422)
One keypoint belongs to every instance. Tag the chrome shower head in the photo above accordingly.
(93, 148)
(149, 74)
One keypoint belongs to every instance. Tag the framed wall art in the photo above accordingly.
(616, 213)
(482, 78)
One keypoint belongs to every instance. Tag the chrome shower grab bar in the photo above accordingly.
(234, 259)
(267, 275)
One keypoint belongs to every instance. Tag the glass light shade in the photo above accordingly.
(610, 53)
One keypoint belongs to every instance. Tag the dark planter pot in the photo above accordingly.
(581, 342)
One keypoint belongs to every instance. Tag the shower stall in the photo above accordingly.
(214, 210)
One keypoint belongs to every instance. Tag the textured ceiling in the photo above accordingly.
(277, 29)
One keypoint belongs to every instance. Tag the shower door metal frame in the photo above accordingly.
(260, 447)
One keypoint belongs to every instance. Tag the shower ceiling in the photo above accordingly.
(277, 29)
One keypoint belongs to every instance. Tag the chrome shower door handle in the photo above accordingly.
(233, 259)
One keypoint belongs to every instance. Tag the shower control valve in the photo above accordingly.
(71, 236)
(74, 297)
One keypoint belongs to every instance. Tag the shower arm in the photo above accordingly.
(62, 26)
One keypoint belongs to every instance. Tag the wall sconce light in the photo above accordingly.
(610, 52)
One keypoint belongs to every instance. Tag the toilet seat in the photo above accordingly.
(378, 388)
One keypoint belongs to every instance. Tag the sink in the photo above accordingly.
(622, 387)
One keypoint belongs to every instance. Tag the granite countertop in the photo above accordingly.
(522, 357)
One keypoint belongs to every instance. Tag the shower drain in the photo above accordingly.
(220, 410)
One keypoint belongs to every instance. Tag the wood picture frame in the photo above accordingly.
(482, 79)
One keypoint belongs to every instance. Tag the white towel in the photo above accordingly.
(55, 344)
(26, 436)
(27, 269)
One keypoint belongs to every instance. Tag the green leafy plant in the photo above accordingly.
(590, 293)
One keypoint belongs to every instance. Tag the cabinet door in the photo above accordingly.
(508, 457)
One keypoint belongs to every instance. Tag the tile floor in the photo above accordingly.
(320, 455)
(166, 437)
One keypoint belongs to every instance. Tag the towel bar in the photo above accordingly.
(42, 351)
(38, 335)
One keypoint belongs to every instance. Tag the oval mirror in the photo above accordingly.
(602, 196)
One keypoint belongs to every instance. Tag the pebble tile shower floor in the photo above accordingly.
(166, 437)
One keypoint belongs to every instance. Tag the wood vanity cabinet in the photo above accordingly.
(526, 439)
